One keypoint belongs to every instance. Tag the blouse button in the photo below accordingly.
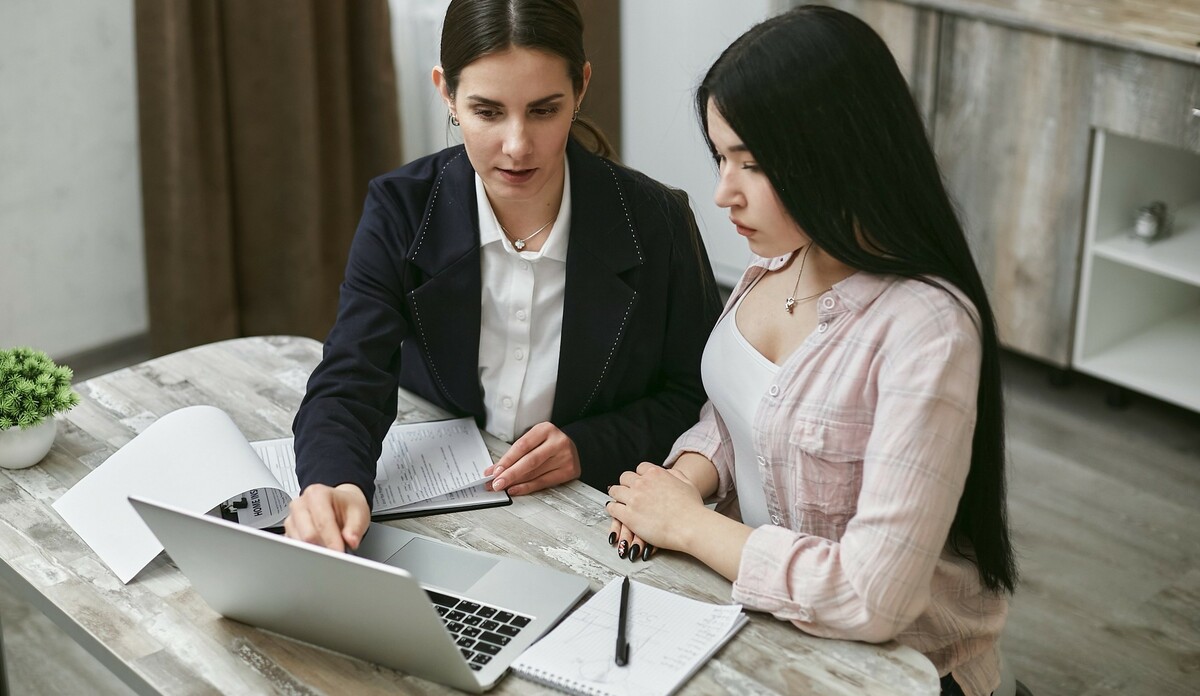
(774, 390)
(519, 354)
(521, 314)
(822, 327)
(524, 265)
(506, 402)
(827, 303)
(775, 519)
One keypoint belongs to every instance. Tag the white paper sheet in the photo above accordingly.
(194, 458)
(426, 460)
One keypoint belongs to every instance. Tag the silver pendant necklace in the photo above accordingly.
(792, 299)
(519, 244)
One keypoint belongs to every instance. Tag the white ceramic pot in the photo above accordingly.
(21, 448)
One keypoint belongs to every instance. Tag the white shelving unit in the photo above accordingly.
(1139, 303)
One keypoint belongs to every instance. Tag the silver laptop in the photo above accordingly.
(451, 615)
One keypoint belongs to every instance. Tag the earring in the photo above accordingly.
(453, 119)
(574, 115)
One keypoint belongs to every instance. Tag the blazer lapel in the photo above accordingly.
(598, 300)
(446, 306)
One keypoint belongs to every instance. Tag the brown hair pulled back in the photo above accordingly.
(476, 28)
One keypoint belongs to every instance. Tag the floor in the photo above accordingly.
(1103, 505)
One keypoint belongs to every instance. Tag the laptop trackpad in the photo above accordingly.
(433, 563)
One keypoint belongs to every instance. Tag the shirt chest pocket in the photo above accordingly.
(828, 457)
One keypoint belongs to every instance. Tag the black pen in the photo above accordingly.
(622, 644)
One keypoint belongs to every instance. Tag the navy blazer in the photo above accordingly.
(640, 301)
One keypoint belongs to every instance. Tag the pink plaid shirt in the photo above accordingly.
(864, 443)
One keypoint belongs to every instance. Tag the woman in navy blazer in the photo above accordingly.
(637, 303)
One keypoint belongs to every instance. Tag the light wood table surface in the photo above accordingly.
(159, 636)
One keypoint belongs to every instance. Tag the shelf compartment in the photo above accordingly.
(1138, 320)
(1177, 256)
(1159, 360)
(1121, 301)
(1128, 174)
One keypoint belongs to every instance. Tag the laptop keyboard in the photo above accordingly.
(479, 630)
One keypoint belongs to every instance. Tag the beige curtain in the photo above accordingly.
(261, 123)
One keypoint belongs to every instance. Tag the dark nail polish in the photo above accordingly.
(621, 548)
(612, 538)
(646, 552)
(633, 553)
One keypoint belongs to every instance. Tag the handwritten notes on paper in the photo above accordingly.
(670, 638)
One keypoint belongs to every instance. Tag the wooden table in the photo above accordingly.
(159, 636)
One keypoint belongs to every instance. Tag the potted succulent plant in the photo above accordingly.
(32, 390)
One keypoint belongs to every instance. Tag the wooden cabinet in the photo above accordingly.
(1011, 131)
(1148, 98)
(1015, 115)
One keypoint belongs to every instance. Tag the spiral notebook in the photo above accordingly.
(670, 639)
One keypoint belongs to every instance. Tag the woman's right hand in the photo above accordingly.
(335, 518)
(630, 545)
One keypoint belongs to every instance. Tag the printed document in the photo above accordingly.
(196, 458)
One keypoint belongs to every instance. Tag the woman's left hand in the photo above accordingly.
(656, 503)
(541, 458)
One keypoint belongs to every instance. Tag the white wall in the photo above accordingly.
(71, 255)
(416, 40)
(666, 46)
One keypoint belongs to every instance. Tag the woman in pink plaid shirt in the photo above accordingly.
(854, 437)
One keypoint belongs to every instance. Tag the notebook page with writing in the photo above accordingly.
(670, 638)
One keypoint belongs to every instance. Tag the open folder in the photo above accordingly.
(197, 459)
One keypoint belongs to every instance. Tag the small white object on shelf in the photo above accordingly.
(1152, 222)
(1176, 256)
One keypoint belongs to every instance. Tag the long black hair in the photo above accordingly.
(818, 99)
(475, 28)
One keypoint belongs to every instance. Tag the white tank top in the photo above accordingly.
(736, 376)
